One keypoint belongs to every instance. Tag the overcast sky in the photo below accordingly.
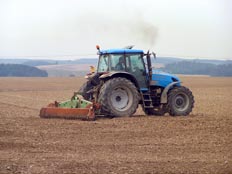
(69, 29)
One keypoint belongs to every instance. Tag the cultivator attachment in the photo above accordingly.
(76, 108)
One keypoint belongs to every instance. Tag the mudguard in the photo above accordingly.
(120, 74)
(164, 95)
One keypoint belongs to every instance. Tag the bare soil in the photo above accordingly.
(198, 143)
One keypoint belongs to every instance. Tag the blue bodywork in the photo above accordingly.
(163, 79)
(120, 51)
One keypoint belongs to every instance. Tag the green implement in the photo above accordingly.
(76, 108)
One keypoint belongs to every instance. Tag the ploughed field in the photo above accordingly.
(198, 143)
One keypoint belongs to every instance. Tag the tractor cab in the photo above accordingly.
(127, 61)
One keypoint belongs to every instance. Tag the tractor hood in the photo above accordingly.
(162, 79)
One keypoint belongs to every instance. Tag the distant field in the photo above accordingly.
(199, 143)
(66, 70)
(67, 67)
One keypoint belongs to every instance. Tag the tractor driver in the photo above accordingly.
(120, 65)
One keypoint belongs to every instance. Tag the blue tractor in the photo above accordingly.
(125, 78)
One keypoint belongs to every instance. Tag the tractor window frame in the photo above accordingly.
(126, 59)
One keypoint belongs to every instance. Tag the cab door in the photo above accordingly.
(135, 65)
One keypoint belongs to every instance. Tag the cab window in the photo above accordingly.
(117, 62)
(103, 63)
(137, 63)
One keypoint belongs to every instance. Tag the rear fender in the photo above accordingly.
(126, 75)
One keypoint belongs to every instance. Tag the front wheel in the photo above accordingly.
(180, 101)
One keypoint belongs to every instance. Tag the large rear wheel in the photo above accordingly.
(118, 97)
(180, 101)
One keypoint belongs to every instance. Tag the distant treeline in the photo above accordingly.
(196, 68)
(18, 70)
(93, 61)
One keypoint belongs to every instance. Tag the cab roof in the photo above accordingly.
(121, 51)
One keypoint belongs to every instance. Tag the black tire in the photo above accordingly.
(180, 101)
(118, 97)
(157, 111)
